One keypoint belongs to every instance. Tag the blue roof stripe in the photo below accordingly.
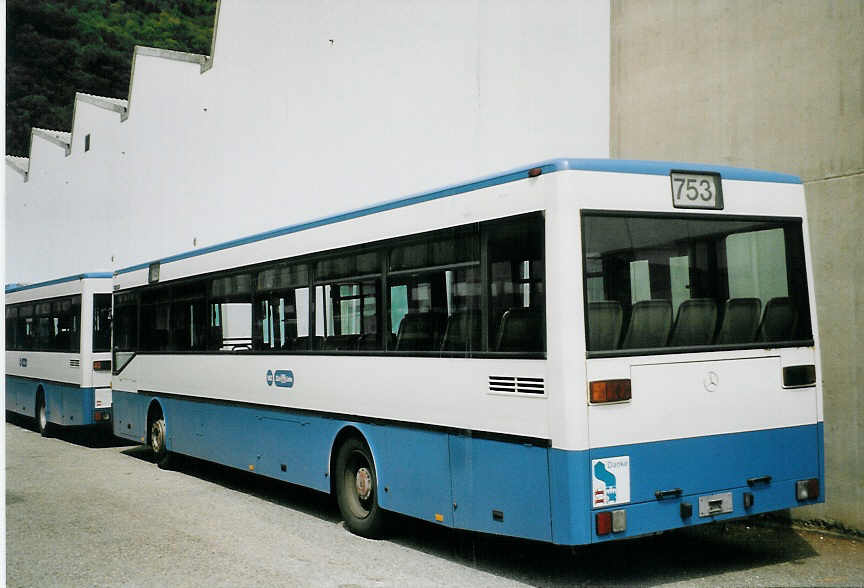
(662, 168)
(19, 287)
(552, 165)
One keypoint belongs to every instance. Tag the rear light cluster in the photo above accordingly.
(103, 365)
(101, 415)
(611, 521)
(807, 489)
(609, 391)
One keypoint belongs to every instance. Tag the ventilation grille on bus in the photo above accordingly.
(521, 385)
(75, 363)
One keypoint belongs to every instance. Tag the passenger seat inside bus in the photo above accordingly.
(740, 321)
(695, 323)
(419, 331)
(520, 329)
(604, 325)
(779, 320)
(462, 331)
(650, 321)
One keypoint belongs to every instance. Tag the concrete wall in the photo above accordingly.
(775, 85)
(309, 108)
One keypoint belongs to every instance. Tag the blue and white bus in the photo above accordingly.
(58, 351)
(574, 351)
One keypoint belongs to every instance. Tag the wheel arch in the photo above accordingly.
(347, 431)
(154, 408)
(39, 395)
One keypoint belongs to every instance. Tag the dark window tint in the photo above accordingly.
(101, 322)
(126, 322)
(434, 292)
(282, 308)
(45, 325)
(188, 317)
(155, 319)
(11, 327)
(516, 288)
(658, 282)
(346, 304)
(476, 288)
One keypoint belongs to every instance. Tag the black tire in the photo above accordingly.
(158, 438)
(356, 486)
(42, 424)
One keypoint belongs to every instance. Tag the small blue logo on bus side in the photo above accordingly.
(284, 378)
(269, 377)
(22, 362)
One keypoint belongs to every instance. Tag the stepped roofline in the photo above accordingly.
(60, 138)
(113, 104)
(19, 164)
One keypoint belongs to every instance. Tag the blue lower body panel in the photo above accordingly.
(764, 464)
(453, 480)
(66, 405)
(488, 485)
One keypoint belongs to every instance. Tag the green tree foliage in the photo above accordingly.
(55, 48)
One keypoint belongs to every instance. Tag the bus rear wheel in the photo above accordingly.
(356, 488)
(158, 442)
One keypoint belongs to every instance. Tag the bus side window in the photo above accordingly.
(347, 294)
(188, 317)
(282, 308)
(434, 286)
(516, 284)
(11, 327)
(230, 313)
(125, 321)
(155, 315)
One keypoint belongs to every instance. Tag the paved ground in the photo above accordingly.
(98, 513)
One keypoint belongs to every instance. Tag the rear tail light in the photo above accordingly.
(604, 522)
(103, 365)
(611, 521)
(609, 391)
(807, 489)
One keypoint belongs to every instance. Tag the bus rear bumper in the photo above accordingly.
(689, 511)
(679, 483)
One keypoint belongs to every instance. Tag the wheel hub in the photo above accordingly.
(156, 438)
(363, 483)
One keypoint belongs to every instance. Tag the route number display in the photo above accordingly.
(696, 190)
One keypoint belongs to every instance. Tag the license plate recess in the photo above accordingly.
(715, 504)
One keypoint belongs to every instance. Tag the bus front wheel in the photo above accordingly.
(158, 438)
(42, 416)
(356, 488)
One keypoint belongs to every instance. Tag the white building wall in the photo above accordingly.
(310, 108)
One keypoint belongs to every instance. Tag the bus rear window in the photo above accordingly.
(668, 283)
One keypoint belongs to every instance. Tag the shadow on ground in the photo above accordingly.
(687, 554)
(300, 498)
(99, 437)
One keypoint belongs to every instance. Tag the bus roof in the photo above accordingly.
(20, 287)
(629, 166)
